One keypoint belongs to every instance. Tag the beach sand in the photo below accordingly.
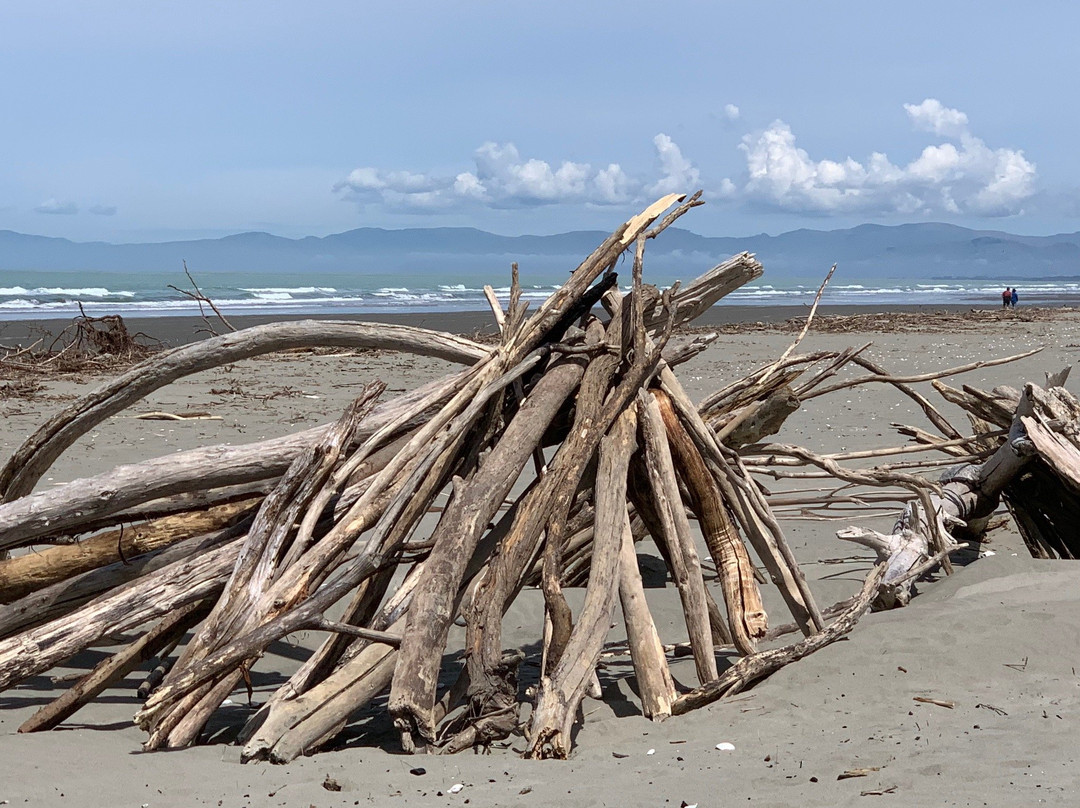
(1000, 639)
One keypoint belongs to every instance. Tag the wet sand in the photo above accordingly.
(180, 330)
(998, 639)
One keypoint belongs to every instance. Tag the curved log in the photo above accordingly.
(31, 460)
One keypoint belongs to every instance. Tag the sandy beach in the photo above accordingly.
(179, 330)
(998, 640)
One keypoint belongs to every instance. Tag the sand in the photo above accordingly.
(999, 639)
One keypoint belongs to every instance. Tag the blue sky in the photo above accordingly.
(132, 121)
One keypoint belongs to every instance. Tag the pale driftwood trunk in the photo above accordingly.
(746, 615)
(300, 725)
(67, 507)
(753, 513)
(242, 605)
(595, 386)
(371, 672)
(697, 297)
(760, 419)
(675, 534)
(970, 493)
(655, 686)
(459, 530)
(65, 597)
(152, 597)
(561, 692)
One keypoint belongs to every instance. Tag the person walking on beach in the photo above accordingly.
(1013, 298)
(1006, 298)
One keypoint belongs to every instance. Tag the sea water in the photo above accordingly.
(26, 295)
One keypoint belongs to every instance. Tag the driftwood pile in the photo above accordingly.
(547, 457)
(94, 344)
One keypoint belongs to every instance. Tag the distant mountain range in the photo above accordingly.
(871, 252)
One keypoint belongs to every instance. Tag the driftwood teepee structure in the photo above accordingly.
(554, 451)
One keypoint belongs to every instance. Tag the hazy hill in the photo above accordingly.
(867, 251)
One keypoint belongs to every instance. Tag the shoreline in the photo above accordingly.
(173, 330)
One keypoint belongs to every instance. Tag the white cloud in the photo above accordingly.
(468, 185)
(103, 210)
(503, 178)
(960, 174)
(933, 116)
(503, 174)
(965, 176)
(56, 207)
(679, 174)
(613, 185)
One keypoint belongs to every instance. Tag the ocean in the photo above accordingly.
(60, 294)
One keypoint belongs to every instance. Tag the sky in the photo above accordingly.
(151, 120)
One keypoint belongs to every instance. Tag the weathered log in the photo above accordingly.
(655, 685)
(151, 597)
(280, 713)
(116, 667)
(751, 510)
(240, 605)
(425, 459)
(412, 692)
(595, 386)
(561, 692)
(753, 668)
(326, 707)
(968, 492)
(759, 419)
(746, 615)
(64, 597)
(459, 530)
(67, 507)
(674, 531)
(698, 296)
(30, 572)
(601, 260)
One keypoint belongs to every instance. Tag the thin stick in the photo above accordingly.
(920, 377)
(806, 327)
(393, 640)
(769, 448)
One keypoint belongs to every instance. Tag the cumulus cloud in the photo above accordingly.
(933, 116)
(56, 207)
(731, 112)
(961, 176)
(103, 210)
(677, 173)
(503, 178)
